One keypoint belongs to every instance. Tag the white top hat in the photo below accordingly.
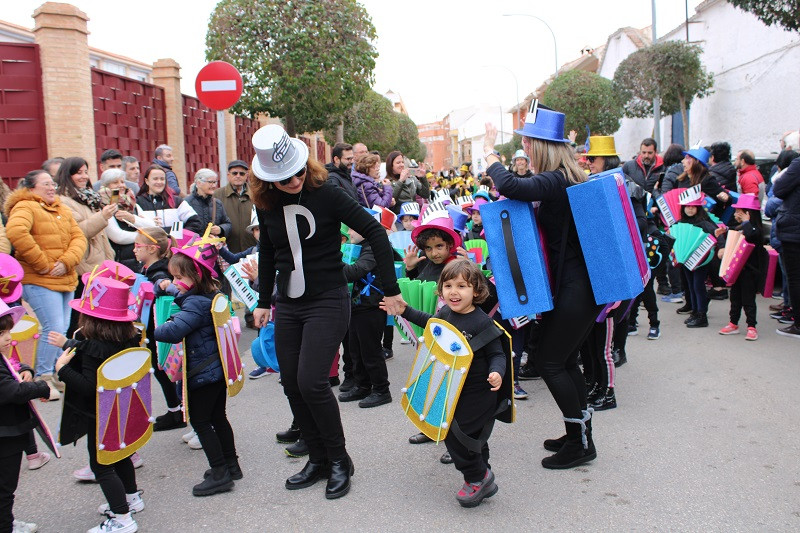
(278, 156)
(442, 196)
(464, 201)
(410, 208)
(253, 219)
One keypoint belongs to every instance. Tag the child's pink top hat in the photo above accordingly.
(436, 216)
(747, 201)
(117, 271)
(105, 298)
(202, 251)
(11, 274)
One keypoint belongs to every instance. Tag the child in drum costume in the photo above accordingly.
(105, 328)
(463, 286)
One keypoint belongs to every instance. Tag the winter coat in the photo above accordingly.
(41, 235)
(725, 174)
(645, 179)
(93, 225)
(771, 211)
(670, 180)
(370, 192)
(205, 211)
(194, 324)
(407, 191)
(80, 377)
(750, 179)
(5, 244)
(16, 418)
(239, 208)
(172, 179)
(787, 188)
(157, 205)
(341, 178)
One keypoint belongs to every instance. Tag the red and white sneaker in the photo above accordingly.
(730, 329)
(752, 334)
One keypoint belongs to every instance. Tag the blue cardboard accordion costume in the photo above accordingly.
(610, 240)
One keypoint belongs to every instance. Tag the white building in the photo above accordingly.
(756, 76)
(472, 130)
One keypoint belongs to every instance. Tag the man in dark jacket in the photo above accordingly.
(645, 169)
(238, 206)
(164, 159)
(787, 188)
(720, 167)
(339, 170)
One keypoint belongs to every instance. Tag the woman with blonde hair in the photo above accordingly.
(565, 327)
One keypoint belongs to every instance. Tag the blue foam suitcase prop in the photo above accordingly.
(518, 264)
(610, 239)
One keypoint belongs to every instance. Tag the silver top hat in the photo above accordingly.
(278, 156)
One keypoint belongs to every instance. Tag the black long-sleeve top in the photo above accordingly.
(549, 188)
(302, 233)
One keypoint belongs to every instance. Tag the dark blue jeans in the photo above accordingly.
(694, 283)
(307, 337)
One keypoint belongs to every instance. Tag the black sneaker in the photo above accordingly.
(347, 384)
(289, 436)
(718, 295)
(388, 353)
(607, 400)
(354, 394)
(333, 381)
(298, 449)
(685, 309)
(791, 331)
(619, 357)
(777, 315)
(787, 316)
(375, 399)
(169, 420)
(528, 372)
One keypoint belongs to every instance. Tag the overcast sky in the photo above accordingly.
(438, 55)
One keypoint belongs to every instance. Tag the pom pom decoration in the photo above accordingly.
(437, 331)
(455, 347)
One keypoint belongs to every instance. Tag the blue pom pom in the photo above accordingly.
(437, 330)
(455, 347)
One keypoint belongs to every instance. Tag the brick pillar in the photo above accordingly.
(167, 74)
(61, 33)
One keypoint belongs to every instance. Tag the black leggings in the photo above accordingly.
(598, 364)
(9, 479)
(563, 331)
(743, 295)
(307, 337)
(208, 418)
(791, 263)
(369, 365)
(472, 465)
(648, 296)
(116, 480)
(167, 387)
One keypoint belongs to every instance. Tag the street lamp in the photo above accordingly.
(555, 45)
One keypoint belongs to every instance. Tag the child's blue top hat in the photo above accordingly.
(543, 123)
(699, 153)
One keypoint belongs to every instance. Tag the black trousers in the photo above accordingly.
(694, 285)
(743, 296)
(388, 336)
(791, 263)
(347, 361)
(563, 332)
(598, 364)
(31, 448)
(622, 317)
(471, 465)
(9, 478)
(209, 420)
(169, 388)
(116, 480)
(364, 335)
(648, 296)
(307, 337)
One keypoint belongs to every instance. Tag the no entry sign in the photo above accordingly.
(218, 85)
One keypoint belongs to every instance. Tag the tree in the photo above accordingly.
(408, 139)
(784, 13)
(507, 149)
(374, 122)
(671, 70)
(588, 99)
(301, 60)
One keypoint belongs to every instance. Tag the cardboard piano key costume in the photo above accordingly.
(693, 246)
(669, 207)
(25, 336)
(734, 256)
(240, 284)
(124, 421)
(613, 249)
(228, 331)
(518, 261)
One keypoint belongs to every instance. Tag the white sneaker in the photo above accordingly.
(137, 460)
(24, 527)
(38, 460)
(84, 474)
(188, 436)
(116, 524)
(194, 443)
(405, 341)
(135, 504)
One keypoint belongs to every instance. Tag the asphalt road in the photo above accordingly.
(704, 439)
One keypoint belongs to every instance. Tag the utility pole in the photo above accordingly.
(656, 100)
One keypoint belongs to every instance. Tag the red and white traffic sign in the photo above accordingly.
(218, 85)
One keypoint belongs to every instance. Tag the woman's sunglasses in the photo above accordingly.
(590, 159)
(288, 180)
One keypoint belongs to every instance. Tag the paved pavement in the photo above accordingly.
(704, 439)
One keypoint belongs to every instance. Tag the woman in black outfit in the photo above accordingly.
(300, 215)
(568, 324)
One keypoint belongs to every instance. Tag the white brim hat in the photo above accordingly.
(278, 156)
(253, 219)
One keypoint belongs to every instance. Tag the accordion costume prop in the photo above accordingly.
(734, 256)
(228, 331)
(693, 246)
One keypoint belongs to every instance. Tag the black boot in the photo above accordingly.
(233, 468)
(310, 474)
(619, 359)
(553, 445)
(339, 481)
(348, 383)
(593, 392)
(289, 436)
(169, 420)
(219, 481)
(578, 447)
(297, 449)
(691, 317)
(685, 309)
(700, 321)
(607, 400)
